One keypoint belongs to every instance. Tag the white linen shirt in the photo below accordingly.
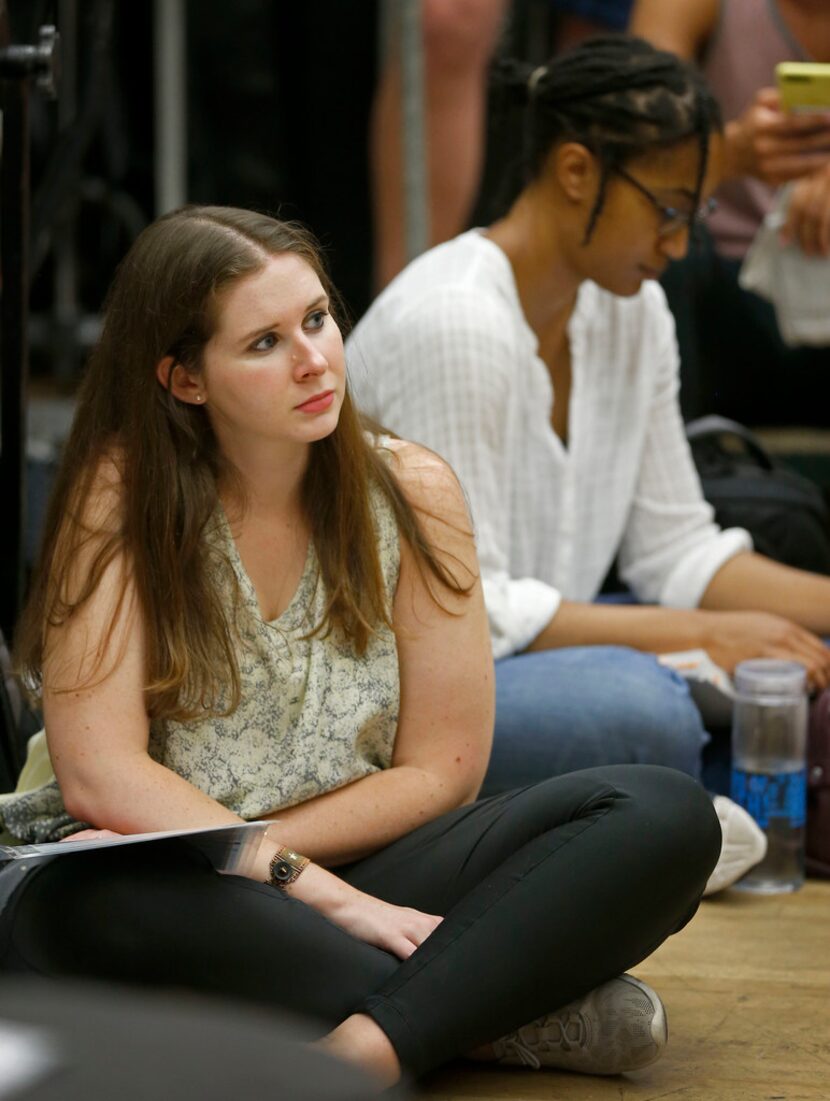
(445, 357)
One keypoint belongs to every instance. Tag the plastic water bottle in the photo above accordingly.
(769, 767)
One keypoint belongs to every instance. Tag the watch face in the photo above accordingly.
(282, 871)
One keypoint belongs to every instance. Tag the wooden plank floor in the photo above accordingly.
(747, 990)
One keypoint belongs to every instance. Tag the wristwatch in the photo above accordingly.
(285, 868)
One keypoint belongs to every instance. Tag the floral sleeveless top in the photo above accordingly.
(314, 715)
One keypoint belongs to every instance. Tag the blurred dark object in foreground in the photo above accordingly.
(101, 1042)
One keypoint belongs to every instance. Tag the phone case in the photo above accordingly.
(804, 85)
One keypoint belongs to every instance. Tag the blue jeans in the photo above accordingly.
(562, 710)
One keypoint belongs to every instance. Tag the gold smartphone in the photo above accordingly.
(804, 85)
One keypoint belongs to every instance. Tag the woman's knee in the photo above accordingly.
(594, 705)
(656, 713)
(663, 822)
(672, 814)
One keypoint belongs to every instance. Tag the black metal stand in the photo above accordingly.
(20, 68)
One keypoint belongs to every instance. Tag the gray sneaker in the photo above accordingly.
(617, 1027)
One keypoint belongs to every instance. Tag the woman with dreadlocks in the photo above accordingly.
(538, 356)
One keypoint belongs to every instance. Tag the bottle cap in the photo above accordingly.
(770, 677)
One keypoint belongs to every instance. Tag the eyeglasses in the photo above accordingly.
(672, 219)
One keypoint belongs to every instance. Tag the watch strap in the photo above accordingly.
(285, 867)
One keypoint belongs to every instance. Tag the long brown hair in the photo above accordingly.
(162, 302)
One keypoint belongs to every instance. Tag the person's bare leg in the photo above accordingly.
(359, 1040)
(459, 38)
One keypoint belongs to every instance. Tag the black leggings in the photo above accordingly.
(547, 892)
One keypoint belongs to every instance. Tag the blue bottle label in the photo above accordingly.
(768, 795)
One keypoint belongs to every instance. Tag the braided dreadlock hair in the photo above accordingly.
(618, 96)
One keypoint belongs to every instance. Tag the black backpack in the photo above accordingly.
(785, 513)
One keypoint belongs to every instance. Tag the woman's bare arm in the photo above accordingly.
(682, 27)
(447, 692)
(752, 607)
(752, 582)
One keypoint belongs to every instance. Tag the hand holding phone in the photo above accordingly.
(776, 145)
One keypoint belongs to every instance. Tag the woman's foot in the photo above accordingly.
(619, 1026)
(744, 845)
(359, 1040)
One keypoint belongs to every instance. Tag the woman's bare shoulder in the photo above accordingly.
(420, 465)
(429, 482)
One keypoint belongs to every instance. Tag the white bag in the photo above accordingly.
(797, 285)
